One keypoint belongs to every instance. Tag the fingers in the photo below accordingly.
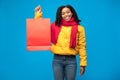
(37, 8)
(82, 70)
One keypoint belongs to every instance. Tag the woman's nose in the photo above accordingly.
(66, 14)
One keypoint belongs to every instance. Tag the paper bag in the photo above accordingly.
(38, 34)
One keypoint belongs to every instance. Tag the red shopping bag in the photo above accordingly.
(38, 34)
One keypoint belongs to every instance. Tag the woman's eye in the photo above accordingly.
(68, 12)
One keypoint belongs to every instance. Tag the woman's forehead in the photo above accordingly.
(65, 9)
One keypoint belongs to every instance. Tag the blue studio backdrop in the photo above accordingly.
(100, 18)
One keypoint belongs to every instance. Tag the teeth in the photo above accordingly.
(67, 17)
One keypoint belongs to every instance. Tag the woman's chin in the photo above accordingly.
(67, 19)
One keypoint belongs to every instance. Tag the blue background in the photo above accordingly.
(101, 19)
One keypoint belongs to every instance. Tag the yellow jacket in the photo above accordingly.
(62, 45)
(38, 15)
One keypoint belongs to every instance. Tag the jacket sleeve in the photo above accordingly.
(37, 15)
(81, 43)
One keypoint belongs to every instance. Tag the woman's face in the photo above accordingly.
(66, 14)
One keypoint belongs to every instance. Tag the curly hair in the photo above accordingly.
(59, 14)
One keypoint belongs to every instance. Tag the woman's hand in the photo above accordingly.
(38, 12)
(38, 8)
(82, 70)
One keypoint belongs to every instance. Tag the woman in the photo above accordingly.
(68, 40)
